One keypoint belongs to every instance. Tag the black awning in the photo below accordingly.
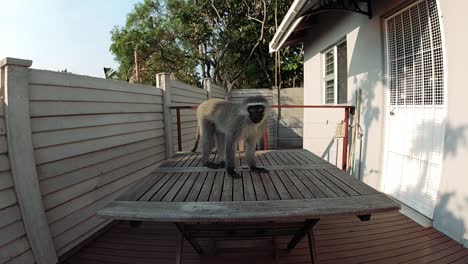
(310, 11)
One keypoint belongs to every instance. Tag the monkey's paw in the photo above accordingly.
(213, 165)
(232, 172)
(258, 169)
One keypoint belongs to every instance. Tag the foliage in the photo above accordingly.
(224, 40)
(110, 73)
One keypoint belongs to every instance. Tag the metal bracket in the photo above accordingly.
(365, 217)
(339, 5)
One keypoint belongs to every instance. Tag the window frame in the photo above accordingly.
(334, 76)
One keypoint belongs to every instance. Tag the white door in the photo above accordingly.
(415, 121)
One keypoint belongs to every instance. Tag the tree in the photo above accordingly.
(110, 73)
(224, 40)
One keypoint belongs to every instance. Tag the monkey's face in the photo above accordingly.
(256, 113)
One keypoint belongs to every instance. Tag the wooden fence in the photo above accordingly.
(70, 144)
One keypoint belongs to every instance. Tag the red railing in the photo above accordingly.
(348, 109)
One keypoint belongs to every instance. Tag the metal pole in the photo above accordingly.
(179, 133)
(345, 141)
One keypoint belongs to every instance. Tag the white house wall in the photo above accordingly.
(451, 214)
(365, 71)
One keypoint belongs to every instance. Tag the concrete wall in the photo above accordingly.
(366, 71)
(290, 125)
(451, 215)
(14, 244)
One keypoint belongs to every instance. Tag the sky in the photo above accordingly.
(57, 34)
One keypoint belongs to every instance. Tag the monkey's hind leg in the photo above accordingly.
(220, 145)
(207, 134)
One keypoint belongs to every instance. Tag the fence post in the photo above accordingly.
(163, 82)
(207, 86)
(276, 117)
(15, 83)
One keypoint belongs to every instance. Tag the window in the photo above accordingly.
(335, 74)
(415, 57)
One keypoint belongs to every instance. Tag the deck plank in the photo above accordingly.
(307, 181)
(155, 188)
(159, 195)
(305, 192)
(338, 183)
(196, 188)
(259, 188)
(155, 243)
(249, 192)
(176, 187)
(290, 187)
(226, 195)
(238, 188)
(207, 186)
(185, 189)
(279, 186)
(346, 179)
(217, 188)
(138, 189)
(316, 180)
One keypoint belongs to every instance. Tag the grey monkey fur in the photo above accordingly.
(224, 123)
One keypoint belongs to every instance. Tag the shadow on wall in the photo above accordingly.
(290, 125)
(450, 212)
(370, 113)
(365, 73)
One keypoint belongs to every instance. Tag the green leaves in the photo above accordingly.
(224, 40)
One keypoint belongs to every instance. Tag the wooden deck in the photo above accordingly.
(387, 238)
(226, 216)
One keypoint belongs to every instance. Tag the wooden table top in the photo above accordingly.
(300, 185)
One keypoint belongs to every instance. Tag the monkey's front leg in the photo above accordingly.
(250, 156)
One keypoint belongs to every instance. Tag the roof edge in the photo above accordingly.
(287, 26)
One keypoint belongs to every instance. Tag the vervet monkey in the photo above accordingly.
(225, 123)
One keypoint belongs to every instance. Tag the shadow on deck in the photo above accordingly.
(387, 238)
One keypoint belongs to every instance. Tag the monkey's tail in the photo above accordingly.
(197, 139)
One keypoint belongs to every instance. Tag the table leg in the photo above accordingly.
(187, 237)
(312, 247)
(180, 248)
(308, 225)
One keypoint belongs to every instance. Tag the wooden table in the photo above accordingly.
(299, 189)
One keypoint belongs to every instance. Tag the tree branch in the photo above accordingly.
(260, 38)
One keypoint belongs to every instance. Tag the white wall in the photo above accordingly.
(451, 215)
(365, 71)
